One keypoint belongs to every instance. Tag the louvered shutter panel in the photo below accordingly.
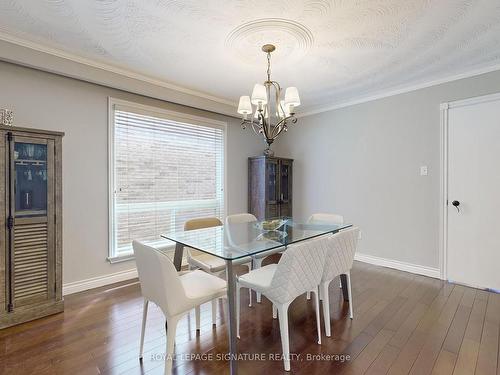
(165, 172)
(31, 282)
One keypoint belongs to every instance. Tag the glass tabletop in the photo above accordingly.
(235, 241)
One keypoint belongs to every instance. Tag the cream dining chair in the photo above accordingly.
(258, 258)
(207, 262)
(339, 260)
(323, 218)
(298, 271)
(173, 293)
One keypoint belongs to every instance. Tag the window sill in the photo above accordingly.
(119, 259)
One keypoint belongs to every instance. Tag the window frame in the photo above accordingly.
(156, 112)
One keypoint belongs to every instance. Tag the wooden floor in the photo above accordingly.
(404, 324)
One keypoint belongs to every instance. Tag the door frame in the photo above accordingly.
(443, 198)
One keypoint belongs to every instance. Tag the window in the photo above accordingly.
(165, 168)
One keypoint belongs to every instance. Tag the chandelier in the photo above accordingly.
(272, 113)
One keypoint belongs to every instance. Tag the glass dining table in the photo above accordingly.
(232, 242)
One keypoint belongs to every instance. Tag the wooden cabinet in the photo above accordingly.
(30, 224)
(269, 186)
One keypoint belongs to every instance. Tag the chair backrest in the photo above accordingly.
(340, 256)
(159, 279)
(199, 223)
(202, 222)
(237, 219)
(299, 270)
(326, 218)
(240, 218)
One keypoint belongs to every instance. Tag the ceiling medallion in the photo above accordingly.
(293, 38)
(272, 112)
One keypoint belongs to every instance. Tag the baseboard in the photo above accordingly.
(398, 265)
(96, 282)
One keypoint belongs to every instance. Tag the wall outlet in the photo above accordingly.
(423, 170)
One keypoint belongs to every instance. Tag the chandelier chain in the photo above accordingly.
(269, 66)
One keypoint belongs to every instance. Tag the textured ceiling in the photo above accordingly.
(333, 51)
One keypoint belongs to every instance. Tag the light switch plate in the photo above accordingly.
(423, 170)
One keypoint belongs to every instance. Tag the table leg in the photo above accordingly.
(345, 292)
(179, 249)
(231, 304)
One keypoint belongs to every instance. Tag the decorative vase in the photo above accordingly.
(6, 117)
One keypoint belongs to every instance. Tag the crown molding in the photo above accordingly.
(109, 68)
(401, 90)
(227, 107)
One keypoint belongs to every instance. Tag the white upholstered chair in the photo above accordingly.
(207, 262)
(323, 218)
(173, 293)
(339, 260)
(258, 258)
(299, 270)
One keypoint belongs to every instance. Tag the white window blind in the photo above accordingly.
(165, 172)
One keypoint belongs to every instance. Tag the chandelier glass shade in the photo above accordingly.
(267, 112)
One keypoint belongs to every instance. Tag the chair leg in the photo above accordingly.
(238, 287)
(257, 263)
(308, 295)
(197, 314)
(349, 290)
(171, 327)
(275, 311)
(249, 266)
(326, 308)
(318, 321)
(214, 312)
(283, 320)
(143, 330)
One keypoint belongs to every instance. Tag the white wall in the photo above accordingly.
(363, 162)
(48, 101)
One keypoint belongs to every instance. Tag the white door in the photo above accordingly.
(473, 240)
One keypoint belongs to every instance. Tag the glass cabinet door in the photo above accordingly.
(271, 181)
(284, 181)
(31, 175)
(285, 187)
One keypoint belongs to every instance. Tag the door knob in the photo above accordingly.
(456, 204)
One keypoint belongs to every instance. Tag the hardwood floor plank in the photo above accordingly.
(469, 350)
(467, 357)
(460, 321)
(413, 346)
(363, 361)
(432, 346)
(445, 364)
(487, 359)
(384, 361)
